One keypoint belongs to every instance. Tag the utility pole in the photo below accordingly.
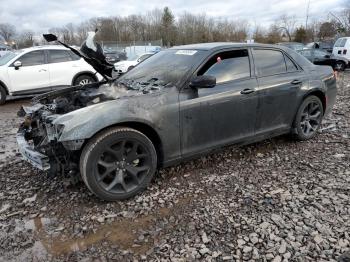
(307, 14)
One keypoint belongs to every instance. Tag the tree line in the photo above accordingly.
(188, 28)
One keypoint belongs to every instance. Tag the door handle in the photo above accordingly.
(296, 82)
(42, 70)
(247, 91)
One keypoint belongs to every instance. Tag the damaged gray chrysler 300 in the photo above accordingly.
(180, 103)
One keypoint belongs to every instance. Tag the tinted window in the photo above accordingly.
(269, 62)
(58, 56)
(227, 66)
(319, 53)
(291, 67)
(32, 58)
(340, 42)
(74, 56)
(306, 53)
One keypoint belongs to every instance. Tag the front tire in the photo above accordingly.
(118, 163)
(2, 95)
(308, 119)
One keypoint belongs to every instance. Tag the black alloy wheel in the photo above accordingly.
(309, 118)
(118, 163)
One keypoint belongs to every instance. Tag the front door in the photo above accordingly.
(33, 76)
(226, 113)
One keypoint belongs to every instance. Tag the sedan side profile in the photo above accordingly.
(178, 104)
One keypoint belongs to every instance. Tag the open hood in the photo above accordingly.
(91, 52)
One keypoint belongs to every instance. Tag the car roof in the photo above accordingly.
(220, 45)
(45, 47)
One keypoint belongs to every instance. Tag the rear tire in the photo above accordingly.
(2, 95)
(118, 163)
(339, 66)
(308, 118)
(83, 80)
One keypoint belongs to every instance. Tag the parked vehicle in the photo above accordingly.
(342, 47)
(319, 57)
(40, 69)
(4, 49)
(292, 45)
(113, 56)
(178, 104)
(124, 66)
(323, 46)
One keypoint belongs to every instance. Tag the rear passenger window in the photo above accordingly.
(291, 67)
(269, 62)
(58, 56)
(228, 66)
(340, 42)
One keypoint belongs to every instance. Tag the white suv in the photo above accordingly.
(342, 47)
(41, 69)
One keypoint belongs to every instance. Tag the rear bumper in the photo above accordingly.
(30, 155)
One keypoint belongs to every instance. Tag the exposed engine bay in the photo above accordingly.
(38, 135)
(39, 131)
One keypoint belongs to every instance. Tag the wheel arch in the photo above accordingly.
(4, 86)
(320, 94)
(89, 73)
(145, 129)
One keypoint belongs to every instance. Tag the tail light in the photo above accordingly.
(345, 51)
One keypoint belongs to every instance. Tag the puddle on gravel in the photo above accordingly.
(121, 233)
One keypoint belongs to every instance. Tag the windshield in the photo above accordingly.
(133, 57)
(340, 42)
(7, 57)
(167, 67)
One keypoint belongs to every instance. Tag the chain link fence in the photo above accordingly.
(132, 48)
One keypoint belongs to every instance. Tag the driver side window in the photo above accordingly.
(228, 66)
(32, 58)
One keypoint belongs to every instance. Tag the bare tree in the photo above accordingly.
(287, 24)
(25, 39)
(7, 31)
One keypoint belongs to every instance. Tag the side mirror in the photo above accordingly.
(17, 64)
(203, 81)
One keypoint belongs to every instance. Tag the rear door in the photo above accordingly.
(32, 76)
(225, 113)
(63, 66)
(279, 80)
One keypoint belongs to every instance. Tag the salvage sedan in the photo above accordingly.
(178, 104)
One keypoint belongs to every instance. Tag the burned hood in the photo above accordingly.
(130, 105)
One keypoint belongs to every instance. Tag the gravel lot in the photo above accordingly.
(277, 200)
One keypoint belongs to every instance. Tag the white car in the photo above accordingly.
(41, 69)
(124, 66)
(4, 50)
(342, 47)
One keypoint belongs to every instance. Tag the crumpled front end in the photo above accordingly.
(38, 141)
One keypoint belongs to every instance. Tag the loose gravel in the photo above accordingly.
(277, 200)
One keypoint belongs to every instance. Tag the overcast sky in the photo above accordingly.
(40, 15)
